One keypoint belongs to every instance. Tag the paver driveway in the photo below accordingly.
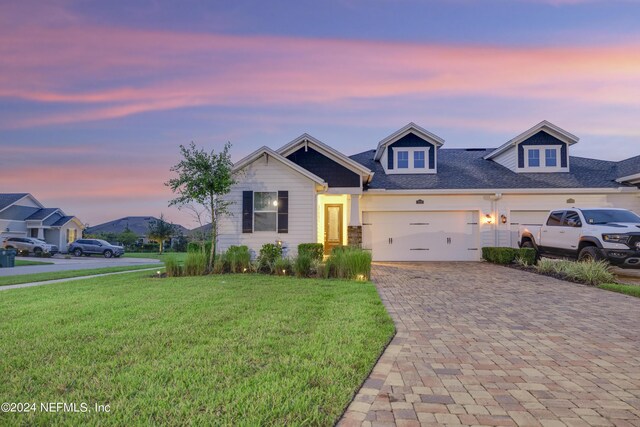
(480, 344)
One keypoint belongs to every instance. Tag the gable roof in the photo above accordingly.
(42, 214)
(545, 126)
(137, 224)
(62, 221)
(8, 199)
(467, 169)
(266, 151)
(409, 128)
(17, 212)
(306, 139)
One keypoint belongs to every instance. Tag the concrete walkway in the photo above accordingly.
(70, 279)
(479, 344)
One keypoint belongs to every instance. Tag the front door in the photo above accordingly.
(332, 227)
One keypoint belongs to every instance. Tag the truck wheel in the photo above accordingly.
(590, 253)
(77, 252)
(108, 254)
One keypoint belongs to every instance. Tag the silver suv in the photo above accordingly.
(89, 247)
(30, 245)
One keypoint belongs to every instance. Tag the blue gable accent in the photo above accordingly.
(542, 138)
(408, 141)
(332, 172)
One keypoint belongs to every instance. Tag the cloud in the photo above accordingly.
(102, 73)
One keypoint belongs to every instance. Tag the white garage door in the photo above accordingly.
(519, 218)
(422, 236)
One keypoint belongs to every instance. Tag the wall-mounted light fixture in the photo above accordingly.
(419, 202)
(570, 201)
(488, 219)
(503, 218)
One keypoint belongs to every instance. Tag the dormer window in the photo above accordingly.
(403, 160)
(539, 158)
(410, 160)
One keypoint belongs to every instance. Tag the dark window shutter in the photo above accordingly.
(283, 211)
(247, 211)
(390, 158)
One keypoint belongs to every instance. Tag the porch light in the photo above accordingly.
(488, 219)
(503, 218)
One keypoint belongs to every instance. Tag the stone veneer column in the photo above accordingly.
(354, 235)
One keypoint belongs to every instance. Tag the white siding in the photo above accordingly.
(272, 176)
(508, 159)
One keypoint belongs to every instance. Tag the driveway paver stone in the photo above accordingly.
(480, 344)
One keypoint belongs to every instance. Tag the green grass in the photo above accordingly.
(25, 262)
(633, 290)
(37, 277)
(223, 350)
(180, 256)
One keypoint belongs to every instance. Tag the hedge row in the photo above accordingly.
(509, 255)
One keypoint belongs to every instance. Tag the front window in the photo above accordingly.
(418, 159)
(534, 158)
(71, 235)
(403, 159)
(265, 211)
(551, 157)
(605, 216)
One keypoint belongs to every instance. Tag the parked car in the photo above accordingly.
(587, 234)
(30, 245)
(88, 247)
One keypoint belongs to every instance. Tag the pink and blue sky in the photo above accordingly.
(96, 96)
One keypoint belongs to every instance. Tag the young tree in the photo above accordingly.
(204, 178)
(128, 238)
(159, 231)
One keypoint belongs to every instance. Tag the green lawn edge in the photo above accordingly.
(631, 290)
(43, 277)
(26, 262)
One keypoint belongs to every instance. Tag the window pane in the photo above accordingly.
(550, 156)
(555, 218)
(265, 201)
(418, 159)
(534, 158)
(265, 221)
(571, 219)
(403, 159)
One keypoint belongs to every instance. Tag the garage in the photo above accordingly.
(422, 236)
(522, 217)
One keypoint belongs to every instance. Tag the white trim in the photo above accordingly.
(508, 191)
(269, 152)
(404, 131)
(633, 179)
(411, 169)
(543, 168)
(544, 125)
(327, 151)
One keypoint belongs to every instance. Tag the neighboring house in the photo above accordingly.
(137, 224)
(22, 215)
(409, 199)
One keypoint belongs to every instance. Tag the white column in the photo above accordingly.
(354, 217)
(41, 233)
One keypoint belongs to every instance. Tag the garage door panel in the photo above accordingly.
(422, 236)
(522, 217)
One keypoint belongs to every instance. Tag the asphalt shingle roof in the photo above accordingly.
(137, 224)
(62, 221)
(466, 169)
(42, 214)
(629, 167)
(7, 199)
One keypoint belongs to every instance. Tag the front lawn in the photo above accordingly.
(24, 262)
(66, 274)
(633, 290)
(228, 349)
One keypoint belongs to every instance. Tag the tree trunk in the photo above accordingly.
(212, 256)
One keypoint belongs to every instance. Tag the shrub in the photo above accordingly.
(236, 259)
(269, 254)
(283, 267)
(504, 255)
(348, 263)
(591, 273)
(313, 250)
(195, 264)
(303, 264)
(172, 266)
(199, 247)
